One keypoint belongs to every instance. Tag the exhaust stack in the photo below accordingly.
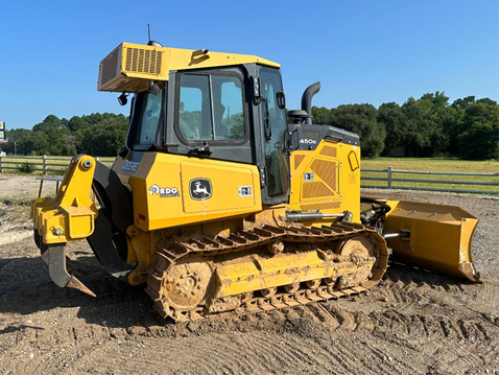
(307, 99)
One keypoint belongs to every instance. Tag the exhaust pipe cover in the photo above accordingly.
(307, 99)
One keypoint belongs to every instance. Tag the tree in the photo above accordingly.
(422, 130)
(20, 141)
(40, 143)
(451, 127)
(54, 129)
(479, 137)
(108, 135)
(81, 130)
(362, 119)
(438, 114)
(391, 117)
(69, 144)
(321, 115)
(487, 101)
(464, 103)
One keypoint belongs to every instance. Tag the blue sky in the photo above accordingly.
(361, 51)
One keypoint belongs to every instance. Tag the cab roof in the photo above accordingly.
(129, 67)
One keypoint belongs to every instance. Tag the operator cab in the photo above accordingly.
(234, 114)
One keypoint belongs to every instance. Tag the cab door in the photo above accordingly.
(273, 136)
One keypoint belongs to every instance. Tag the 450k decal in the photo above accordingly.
(308, 141)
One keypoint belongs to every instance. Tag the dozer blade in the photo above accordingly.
(55, 257)
(437, 237)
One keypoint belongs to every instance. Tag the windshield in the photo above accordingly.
(148, 118)
(211, 108)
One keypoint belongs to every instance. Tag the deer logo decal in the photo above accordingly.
(200, 189)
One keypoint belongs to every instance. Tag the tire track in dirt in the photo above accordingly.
(254, 352)
(298, 338)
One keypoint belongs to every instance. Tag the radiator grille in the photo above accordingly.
(143, 61)
(329, 151)
(109, 67)
(326, 171)
(316, 189)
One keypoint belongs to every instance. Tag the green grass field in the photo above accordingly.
(428, 164)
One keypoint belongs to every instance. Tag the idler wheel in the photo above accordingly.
(186, 285)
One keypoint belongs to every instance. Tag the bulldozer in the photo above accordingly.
(222, 201)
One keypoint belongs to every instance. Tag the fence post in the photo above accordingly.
(389, 177)
(1, 164)
(45, 165)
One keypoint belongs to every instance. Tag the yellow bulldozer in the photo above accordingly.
(218, 203)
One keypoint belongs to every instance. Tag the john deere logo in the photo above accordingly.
(200, 189)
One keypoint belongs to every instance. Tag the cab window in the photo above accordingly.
(148, 118)
(211, 108)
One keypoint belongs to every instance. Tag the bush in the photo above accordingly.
(25, 168)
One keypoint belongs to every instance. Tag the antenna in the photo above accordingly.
(149, 34)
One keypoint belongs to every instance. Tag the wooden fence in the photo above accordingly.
(44, 164)
(391, 176)
(58, 165)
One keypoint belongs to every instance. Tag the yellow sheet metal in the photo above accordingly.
(71, 214)
(130, 67)
(281, 270)
(440, 237)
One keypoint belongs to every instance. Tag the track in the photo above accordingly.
(330, 241)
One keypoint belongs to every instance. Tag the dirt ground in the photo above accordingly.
(414, 322)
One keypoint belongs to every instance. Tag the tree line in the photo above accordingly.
(95, 134)
(426, 127)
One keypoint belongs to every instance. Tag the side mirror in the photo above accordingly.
(153, 88)
(280, 99)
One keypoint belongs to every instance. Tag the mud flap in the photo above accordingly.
(55, 258)
(439, 237)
